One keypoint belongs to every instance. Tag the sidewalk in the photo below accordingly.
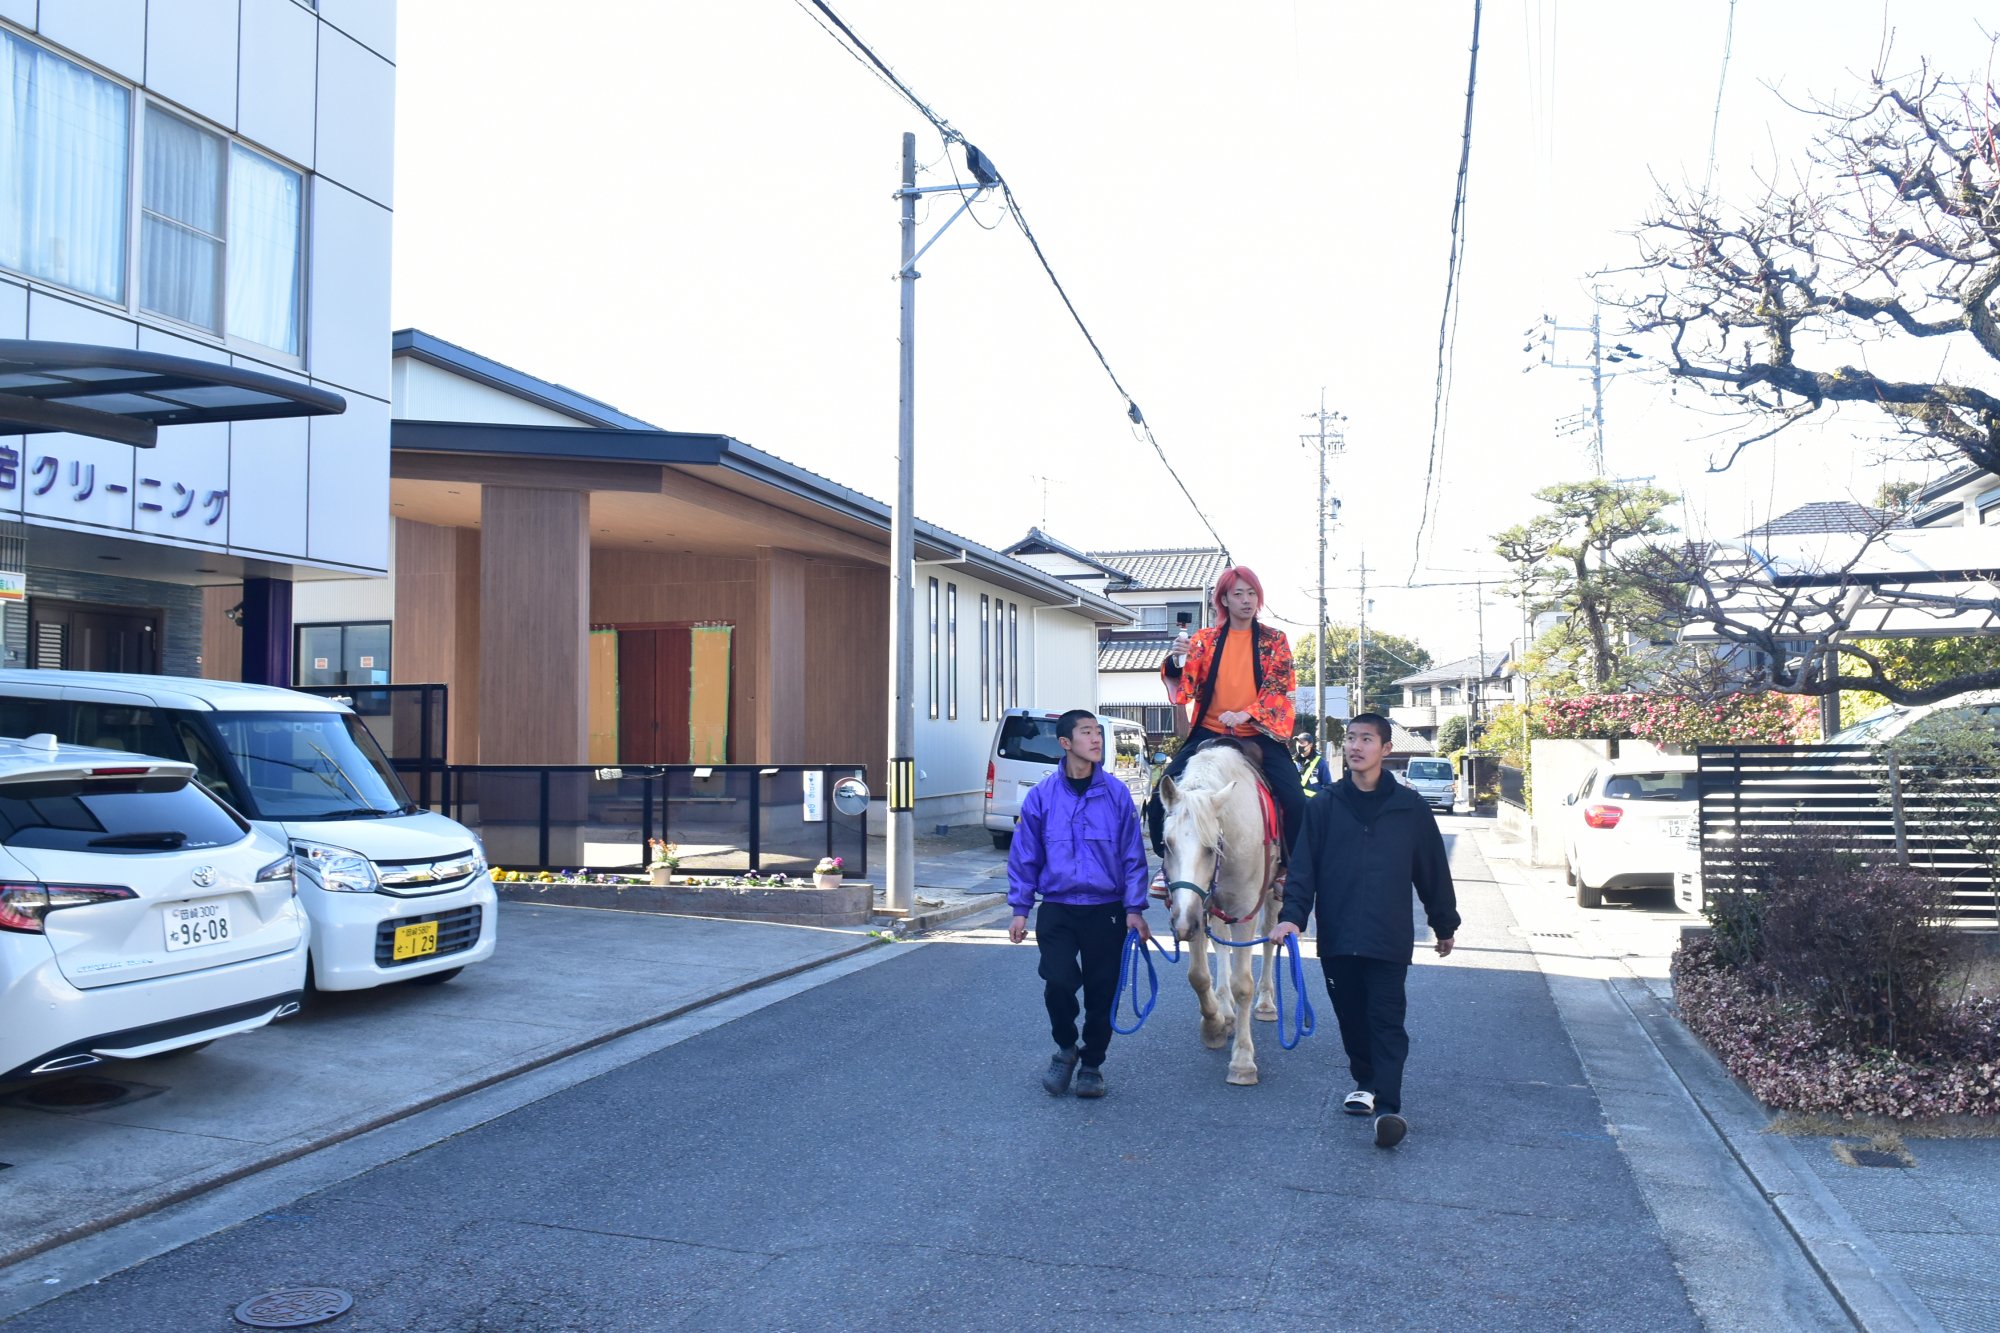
(1903, 1246)
(131, 1137)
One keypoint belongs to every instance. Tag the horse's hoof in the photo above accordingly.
(1267, 1013)
(1243, 1078)
(1215, 1041)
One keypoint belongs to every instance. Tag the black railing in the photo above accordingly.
(1513, 786)
(410, 723)
(721, 818)
(1755, 799)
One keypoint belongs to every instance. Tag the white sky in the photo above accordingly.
(685, 209)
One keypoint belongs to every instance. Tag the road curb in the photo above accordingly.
(919, 922)
(1866, 1284)
(293, 1149)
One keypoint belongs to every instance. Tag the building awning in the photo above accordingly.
(125, 395)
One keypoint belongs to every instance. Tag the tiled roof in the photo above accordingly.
(1185, 568)
(1463, 668)
(1038, 541)
(1825, 516)
(1132, 654)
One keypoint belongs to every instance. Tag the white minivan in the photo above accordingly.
(1025, 749)
(393, 892)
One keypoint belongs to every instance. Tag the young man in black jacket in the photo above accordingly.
(1367, 842)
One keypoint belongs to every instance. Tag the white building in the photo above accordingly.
(1157, 586)
(194, 250)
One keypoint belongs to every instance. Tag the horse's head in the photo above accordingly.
(1193, 854)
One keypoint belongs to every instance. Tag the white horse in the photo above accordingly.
(1220, 867)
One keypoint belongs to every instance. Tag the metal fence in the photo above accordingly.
(1513, 786)
(409, 722)
(722, 819)
(1756, 798)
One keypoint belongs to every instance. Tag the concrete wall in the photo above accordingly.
(1555, 769)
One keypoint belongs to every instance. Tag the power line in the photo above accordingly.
(1722, 80)
(985, 173)
(1447, 318)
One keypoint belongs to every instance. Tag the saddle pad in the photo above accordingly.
(1274, 829)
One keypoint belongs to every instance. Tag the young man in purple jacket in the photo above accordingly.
(1076, 847)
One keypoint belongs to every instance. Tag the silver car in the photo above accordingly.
(1432, 779)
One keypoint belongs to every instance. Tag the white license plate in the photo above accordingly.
(1674, 829)
(197, 925)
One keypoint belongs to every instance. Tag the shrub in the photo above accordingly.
(1669, 719)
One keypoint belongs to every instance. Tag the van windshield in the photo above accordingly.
(1032, 739)
(310, 766)
(1430, 770)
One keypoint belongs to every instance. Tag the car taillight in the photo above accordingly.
(1603, 816)
(23, 906)
(989, 779)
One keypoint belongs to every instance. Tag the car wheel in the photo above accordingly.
(1002, 841)
(1587, 896)
(436, 978)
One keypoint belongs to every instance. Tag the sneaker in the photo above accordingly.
(1359, 1102)
(1389, 1129)
(1089, 1082)
(1062, 1065)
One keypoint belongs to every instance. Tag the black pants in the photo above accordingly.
(1280, 774)
(1368, 999)
(1080, 948)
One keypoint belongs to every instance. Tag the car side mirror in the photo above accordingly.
(1570, 799)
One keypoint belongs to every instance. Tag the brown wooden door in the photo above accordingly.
(653, 667)
(77, 636)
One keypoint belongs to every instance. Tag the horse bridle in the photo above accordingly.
(1207, 895)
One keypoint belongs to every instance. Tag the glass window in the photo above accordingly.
(64, 158)
(934, 649)
(1030, 738)
(181, 221)
(125, 817)
(985, 657)
(951, 650)
(219, 239)
(355, 654)
(1014, 654)
(309, 766)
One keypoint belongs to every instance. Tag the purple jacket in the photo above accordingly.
(1077, 849)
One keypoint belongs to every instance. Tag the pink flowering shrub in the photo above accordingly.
(1792, 1061)
(1669, 719)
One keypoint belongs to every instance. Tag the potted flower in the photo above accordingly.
(827, 874)
(666, 860)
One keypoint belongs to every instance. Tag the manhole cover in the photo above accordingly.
(294, 1307)
(81, 1094)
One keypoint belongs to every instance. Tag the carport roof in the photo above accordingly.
(752, 473)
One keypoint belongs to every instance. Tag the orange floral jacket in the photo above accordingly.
(1272, 713)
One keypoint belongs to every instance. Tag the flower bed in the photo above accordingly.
(1792, 1063)
(772, 898)
(1665, 719)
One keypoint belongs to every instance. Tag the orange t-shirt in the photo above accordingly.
(1235, 686)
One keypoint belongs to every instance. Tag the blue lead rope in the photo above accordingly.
(1128, 976)
(1304, 1021)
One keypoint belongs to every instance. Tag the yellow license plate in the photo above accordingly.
(416, 941)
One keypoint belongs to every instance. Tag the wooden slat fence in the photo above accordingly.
(1753, 797)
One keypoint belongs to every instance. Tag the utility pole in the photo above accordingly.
(1322, 446)
(1542, 333)
(1361, 647)
(1479, 687)
(900, 888)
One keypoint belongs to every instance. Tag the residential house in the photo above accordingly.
(1454, 689)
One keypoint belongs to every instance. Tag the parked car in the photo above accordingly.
(138, 914)
(1628, 825)
(1893, 721)
(1432, 779)
(1025, 749)
(393, 892)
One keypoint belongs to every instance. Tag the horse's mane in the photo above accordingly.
(1208, 771)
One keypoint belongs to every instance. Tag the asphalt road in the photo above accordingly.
(877, 1151)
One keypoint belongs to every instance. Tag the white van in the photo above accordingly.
(393, 892)
(1025, 749)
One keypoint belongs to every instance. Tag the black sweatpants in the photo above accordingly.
(1280, 774)
(1369, 1000)
(1081, 946)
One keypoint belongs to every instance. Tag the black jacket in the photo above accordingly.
(1357, 875)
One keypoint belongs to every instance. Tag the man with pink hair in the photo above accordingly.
(1235, 680)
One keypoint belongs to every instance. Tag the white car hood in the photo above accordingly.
(417, 837)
